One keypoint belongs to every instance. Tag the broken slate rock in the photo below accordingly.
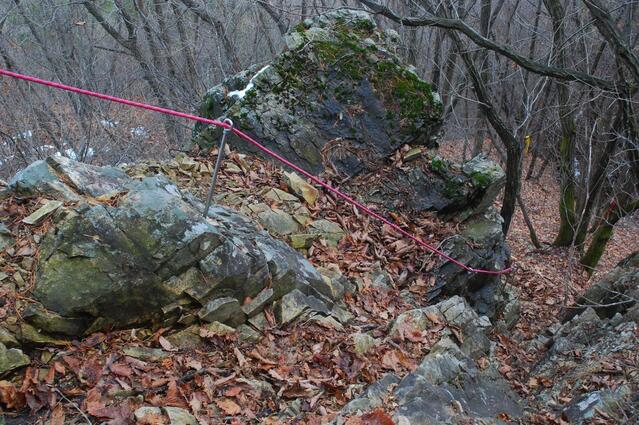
(11, 359)
(302, 188)
(52, 323)
(447, 387)
(374, 396)
(257, 304)
(481, 245)
(363, 343)
(179, 416)
(616, 292)
(278, 222)
(145, 353)
(187, 338)
(302, 240)
(6, 240)
(225, 310)
(295, 303)
(38, 216)
(331, 232)
(8, 339)
(148, 414)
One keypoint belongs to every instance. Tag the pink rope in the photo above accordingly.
(264, 149)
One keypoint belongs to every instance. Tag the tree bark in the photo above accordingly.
(482, 57)
(567, 214)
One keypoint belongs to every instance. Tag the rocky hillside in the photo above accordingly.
(122, 303)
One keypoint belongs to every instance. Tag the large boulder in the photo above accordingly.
(337, 99)
(124, 252)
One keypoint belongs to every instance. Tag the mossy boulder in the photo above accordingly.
(146, 254)
(337, 99)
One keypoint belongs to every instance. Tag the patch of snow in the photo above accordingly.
(25, 135)
(576, 164)
(195, 231)
(69, 153)
(139, 132)
(241, 93)
(108, 123)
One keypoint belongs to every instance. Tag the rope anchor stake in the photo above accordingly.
(218, 163)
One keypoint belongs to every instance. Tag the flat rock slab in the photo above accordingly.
(42, 213)
(11, 359)
(63, 178)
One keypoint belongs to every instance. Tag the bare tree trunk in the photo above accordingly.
(531, 228)
(567, 212)
(596, 183)
(513, 148)
(482, 57)
(277, 17)
(191, 70)
(217, 25)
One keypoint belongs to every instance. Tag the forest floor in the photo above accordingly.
(98, 379)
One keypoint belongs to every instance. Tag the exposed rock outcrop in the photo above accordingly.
(480, 244)
(448, 387)
(582, 352)
(593, 348)
(616, 293)
(431, 183)
(124, 252)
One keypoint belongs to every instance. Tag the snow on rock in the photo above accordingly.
(241, 93)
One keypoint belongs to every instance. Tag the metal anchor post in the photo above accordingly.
(218, 163)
